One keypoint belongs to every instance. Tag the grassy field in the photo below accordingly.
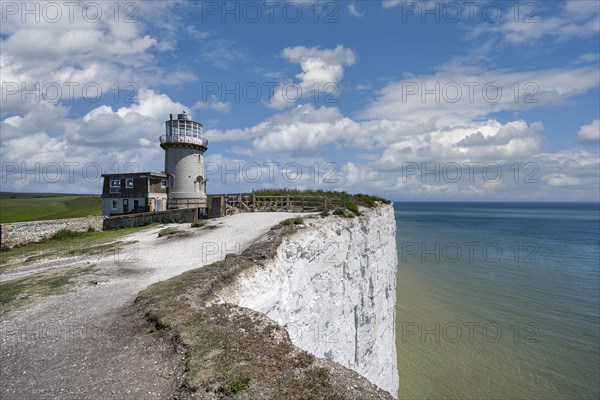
(20, 207)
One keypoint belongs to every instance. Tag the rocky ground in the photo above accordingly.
(91, 343)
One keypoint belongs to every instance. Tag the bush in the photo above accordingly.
(351, 206)
(64, 234)
(340, 212)
(294, 221)
(198, 224)
(325, 214)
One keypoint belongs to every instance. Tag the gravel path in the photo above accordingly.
(89, 344)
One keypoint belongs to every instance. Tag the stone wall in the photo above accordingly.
(169, 216)
(20, 233)
(217, 208)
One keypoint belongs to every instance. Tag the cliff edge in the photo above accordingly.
(305, 312)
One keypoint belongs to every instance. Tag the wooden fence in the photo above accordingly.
(234, 204)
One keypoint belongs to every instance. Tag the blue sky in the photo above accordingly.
(409, 100)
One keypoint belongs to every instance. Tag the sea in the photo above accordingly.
(498, 300)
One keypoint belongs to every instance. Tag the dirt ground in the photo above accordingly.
(89, 343)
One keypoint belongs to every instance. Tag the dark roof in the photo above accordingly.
(137, 174)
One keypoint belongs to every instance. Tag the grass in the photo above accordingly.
(360, 199)
(293, 221)
(18, 292)
(352, 207)
(66, 234)
(67, 244)
(237, 384)
(22, 207)
(198, 224)
(173, 232)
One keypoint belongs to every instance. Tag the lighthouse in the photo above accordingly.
(184, 148)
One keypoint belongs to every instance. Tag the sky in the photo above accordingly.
(412, 101)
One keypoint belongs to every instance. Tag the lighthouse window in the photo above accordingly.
(163, 183)
(115, 183)
(129, 183)
(115, 204)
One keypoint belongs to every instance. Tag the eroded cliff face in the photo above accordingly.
(332, 286)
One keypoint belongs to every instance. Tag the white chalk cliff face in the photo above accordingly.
(332, 286)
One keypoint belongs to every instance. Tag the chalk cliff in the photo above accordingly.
(332, 286)
(307, 311)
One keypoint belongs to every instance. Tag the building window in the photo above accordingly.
(129, 183)
(115, 183)
(115, 204)
(163, 183)
(171, 180)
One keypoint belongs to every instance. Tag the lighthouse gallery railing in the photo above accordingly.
(184, 139)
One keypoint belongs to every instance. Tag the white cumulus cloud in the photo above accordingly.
(590, 133)
(322, 70)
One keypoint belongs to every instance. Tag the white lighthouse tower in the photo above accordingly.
(184, 162)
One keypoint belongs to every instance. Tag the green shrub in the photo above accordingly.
(341, 212)
(64, 234)
(294, 221)
(325, 214)
(198, 224)
(237, 385)
(351, 206)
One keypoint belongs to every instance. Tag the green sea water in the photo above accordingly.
(498, 300)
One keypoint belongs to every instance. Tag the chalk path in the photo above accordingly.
(87, 344)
